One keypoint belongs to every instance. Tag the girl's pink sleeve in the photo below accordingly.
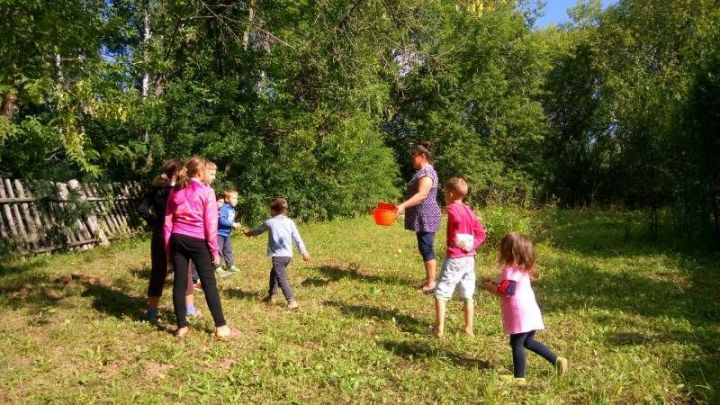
(479, 234)
(211, 223)
(168, 224)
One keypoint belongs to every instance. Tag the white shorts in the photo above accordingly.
(457, 273)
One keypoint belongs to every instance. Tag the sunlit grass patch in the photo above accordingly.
(638, 323)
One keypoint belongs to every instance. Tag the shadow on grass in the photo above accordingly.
(413, 351)
(142, 272)
(236, 292)
(578, 286)
(18, 267)
(115, 302)
(405, 323)
(334, 273)
(651, 293)
(35, 293)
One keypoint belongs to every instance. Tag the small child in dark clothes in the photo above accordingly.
(282, 231)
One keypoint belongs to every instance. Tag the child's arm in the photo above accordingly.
(506, 288)
(479, 234)
(211, 225)
(257, 231)
(299, 242)
(453, 222)
(224, 218)
(168, 223)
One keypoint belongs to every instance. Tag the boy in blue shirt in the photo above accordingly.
(282, 232)
(226, 224)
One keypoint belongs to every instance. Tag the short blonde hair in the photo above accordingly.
(228, 194)
(458, 186)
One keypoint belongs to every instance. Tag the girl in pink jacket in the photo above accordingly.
(190, 234)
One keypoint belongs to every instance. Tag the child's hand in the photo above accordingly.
(236, 225)
(462, 245)
(489, 285)
(306, 257)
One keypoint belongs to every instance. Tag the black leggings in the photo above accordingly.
(518, 342)
(183, 249)
(158, 265)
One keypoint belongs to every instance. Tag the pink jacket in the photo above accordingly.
(462, 220)
(192, 211)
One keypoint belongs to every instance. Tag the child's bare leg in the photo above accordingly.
(469, 309)
(440, 308)
(430, 270)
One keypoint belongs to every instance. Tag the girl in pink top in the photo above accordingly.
(520, 312)
(190, 234)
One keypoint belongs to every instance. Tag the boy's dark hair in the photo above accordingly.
(279, 204)
(457, 185)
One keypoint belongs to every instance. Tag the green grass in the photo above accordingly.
(638, 322)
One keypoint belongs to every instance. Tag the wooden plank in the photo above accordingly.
(22, 233)
(111, 212)
(8, 211)
(121, 216)
(46, 221)
(42, 216)
(107, 218)
(84, 224)
(60, 208)
(27, 216)
(16, 200)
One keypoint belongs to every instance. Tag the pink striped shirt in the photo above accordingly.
(192, 211)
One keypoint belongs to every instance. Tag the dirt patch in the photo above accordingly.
(157, 370)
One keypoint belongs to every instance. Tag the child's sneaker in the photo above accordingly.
(293, 304)
(220, 273)
(513, 380)
(232, 269)
(561, 366)
(151, 315)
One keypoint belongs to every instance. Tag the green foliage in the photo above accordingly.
(321, 101)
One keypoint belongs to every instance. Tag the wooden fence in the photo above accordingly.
(44, 216)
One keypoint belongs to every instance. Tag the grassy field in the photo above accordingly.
(639, 324)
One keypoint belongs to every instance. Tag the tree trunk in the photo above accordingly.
(251, 16)
(9, 104)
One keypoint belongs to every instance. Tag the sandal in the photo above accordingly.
(234, 333)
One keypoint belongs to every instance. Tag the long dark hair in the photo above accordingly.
(170, 169)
